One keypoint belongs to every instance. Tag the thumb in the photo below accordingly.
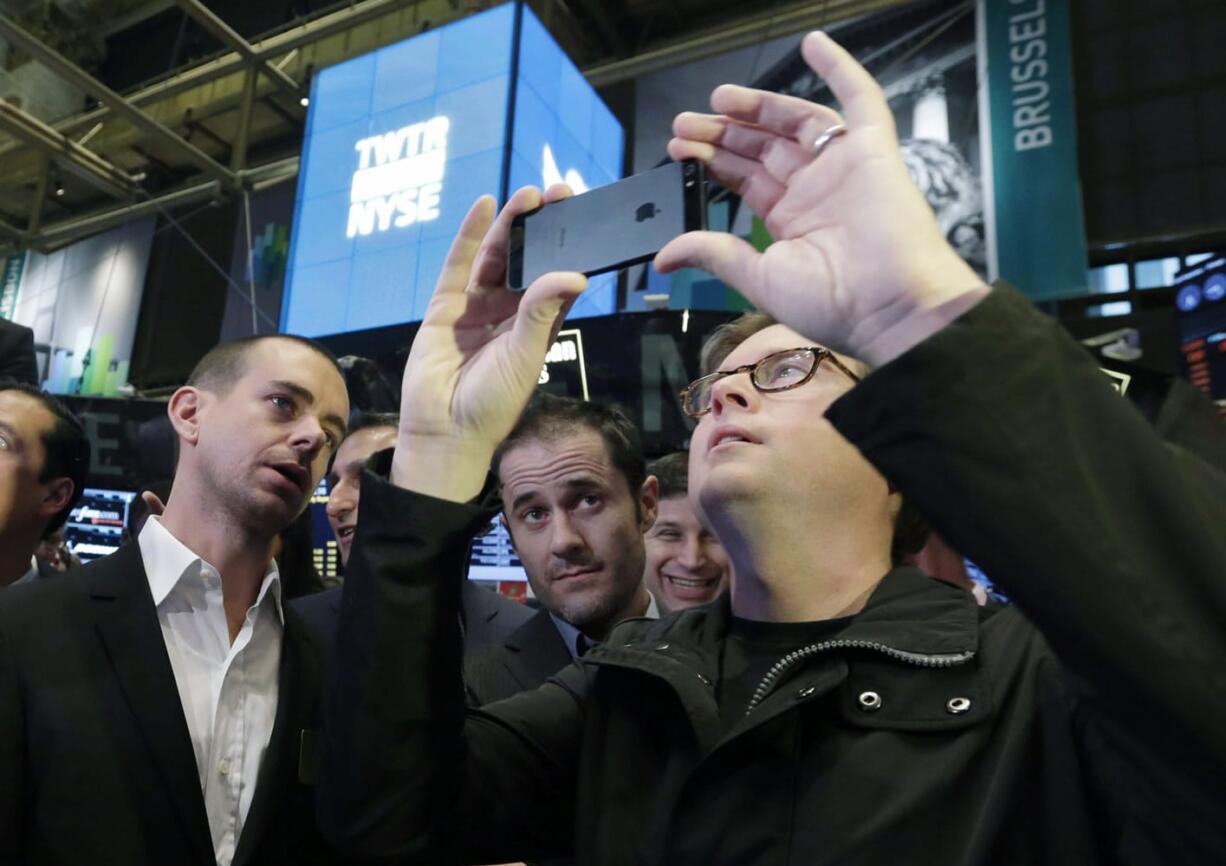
(153, 502)
(539, 308)
(721, 254)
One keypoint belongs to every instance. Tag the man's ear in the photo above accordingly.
(58, 495)
(649, 503)
(184, 412)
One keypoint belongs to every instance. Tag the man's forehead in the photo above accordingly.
(577, 457)
(676, 508)
(365, 442)
(285, 362)
(25, 413)
(774, 339)
(757, 346)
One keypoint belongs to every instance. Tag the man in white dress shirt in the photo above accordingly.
(171, 721)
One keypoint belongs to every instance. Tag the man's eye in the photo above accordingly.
(532, 515)
(668, 534)
(786, 372)
(590, 500)
(282, 402)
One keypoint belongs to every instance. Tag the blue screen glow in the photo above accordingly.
(401, 141)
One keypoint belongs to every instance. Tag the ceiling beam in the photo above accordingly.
(274, 46)
(69, 155)
(19, 38)
(745, 31)
(230, 38)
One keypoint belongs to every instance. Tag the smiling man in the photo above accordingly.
(576, 498)
(686, 564)
(184, 735)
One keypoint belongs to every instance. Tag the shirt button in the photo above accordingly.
(223, 767)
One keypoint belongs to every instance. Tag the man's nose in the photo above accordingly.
(309, 437)
(566, 539)
(735, 390)
(341, 500)
(692, 555)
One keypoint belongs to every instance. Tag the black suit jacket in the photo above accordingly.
(530, 655)
(487, 617)
(17, 359)
(96, 764)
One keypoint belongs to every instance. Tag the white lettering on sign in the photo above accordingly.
(399, 178)
(1028, 76)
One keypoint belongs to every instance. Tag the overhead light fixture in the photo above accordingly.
(59, 189)
(305, 101)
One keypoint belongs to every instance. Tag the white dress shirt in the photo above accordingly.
(229, 691)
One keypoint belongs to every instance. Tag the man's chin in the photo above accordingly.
(728, 483)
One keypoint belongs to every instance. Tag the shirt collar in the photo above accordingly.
(571, 635)
(169, 562)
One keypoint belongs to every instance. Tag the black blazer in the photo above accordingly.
(17, 358)
(487, 617)
(96, 764)
(530, 655)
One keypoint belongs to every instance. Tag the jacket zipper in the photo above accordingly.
(777, 670)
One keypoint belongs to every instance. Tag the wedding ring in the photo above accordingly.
(826, 137)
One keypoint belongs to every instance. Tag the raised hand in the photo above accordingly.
(859, 263)
(477, 356)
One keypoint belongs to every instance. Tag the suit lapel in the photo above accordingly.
(537, 651)
(297, 694)
(127, 623)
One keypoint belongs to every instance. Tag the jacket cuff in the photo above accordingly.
(392, 514)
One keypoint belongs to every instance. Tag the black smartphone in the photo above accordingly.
(609, 227)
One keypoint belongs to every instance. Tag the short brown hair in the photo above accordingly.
(550, 417)
(672, 471)
(910, 529)
(225, 364)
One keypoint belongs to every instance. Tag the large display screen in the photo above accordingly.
(401, 141)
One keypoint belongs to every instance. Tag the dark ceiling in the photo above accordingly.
(110, 109)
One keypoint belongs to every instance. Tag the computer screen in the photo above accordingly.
(326, 555)
(1201, 300)
(95, 527)
(494, 563)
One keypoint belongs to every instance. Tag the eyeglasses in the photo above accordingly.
(778, 371)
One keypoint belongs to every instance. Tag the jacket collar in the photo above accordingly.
(908, 611)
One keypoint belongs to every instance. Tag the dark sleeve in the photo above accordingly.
(407, 772)
(17, 359)
(1007, 436)
(12, 757)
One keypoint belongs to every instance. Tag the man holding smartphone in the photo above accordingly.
(870, 715)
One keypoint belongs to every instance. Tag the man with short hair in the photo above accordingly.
(486, 617)
(686, 565)
(837, 709)
(44, 457)
(167, 717)
(576, 499)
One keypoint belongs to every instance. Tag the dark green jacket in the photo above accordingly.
(1083, 725)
